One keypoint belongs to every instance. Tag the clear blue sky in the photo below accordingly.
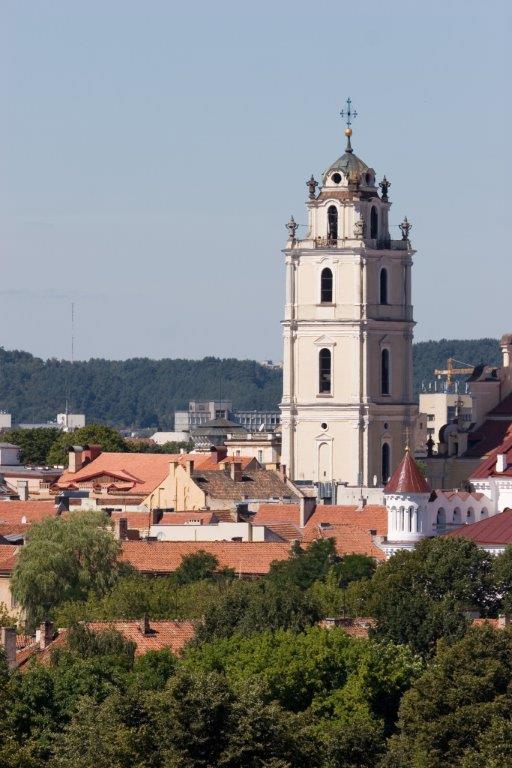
(151, 153)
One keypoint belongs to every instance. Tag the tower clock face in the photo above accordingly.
(336, 177)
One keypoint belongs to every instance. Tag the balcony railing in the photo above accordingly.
(381, 244)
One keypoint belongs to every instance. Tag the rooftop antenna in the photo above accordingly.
(72, 353)
(72, 332)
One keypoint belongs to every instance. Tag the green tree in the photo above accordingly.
(503, 578)
(138, 446)
(191, 716)
(249, 607)
(420, 596)
(261, 733)
(326, 671)
(493, 747)
(199, 566)
(96, 736)
(458, 712)
(65, 558)
(92, 434)
(304, 566)
(34, 444)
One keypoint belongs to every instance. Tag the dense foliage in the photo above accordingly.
(47, 446)
(145, 393)
(134, 393)
(64, 558)
(262, 684)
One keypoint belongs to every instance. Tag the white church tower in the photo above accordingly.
(347, 382)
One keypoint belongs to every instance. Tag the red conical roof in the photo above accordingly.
(407, 478)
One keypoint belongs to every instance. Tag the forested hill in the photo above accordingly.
(428, 355)
(144, 393)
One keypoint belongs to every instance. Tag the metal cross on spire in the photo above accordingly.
(347, 113)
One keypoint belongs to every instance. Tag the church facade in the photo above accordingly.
(347, 405)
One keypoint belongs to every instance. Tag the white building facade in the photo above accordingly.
(347, 402)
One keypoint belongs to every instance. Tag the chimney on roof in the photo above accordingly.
(93, 451)
(190, 467)
(8, 643)
(282, 472)
(46, 634)
(306, 508)
(236, 471)
(506, 349)
(144, 627)
(501, 462)
(121, 528)
(22, 488)
(75, 458)
(218, 453)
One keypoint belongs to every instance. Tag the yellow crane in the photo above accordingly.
(450, 371)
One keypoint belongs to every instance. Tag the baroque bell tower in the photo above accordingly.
(347, 402)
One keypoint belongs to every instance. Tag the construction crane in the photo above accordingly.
(450, 371)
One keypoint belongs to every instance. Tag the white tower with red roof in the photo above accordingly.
(348, 328)
(406, 497)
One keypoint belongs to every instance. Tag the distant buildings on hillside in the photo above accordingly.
(67, 422)
(200, 412)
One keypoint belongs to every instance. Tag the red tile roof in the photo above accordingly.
(277, 513)
(8, 553)
(462, 495)
(350, 540)
(491, 434)
(488, 467)
(138, 521)
(210, 462)
(26, 512)
(373, 517)
(285, 531)
(255, 484)
(407, 477)
(162, 634)
(246, 558)
(504, 408)
(139, 473)
(494, 530)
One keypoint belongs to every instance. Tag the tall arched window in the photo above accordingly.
(384, 372)
(332, 223)
(385, 465)
(383, 286)
(326, 286)
(324, 383)
(374, 223)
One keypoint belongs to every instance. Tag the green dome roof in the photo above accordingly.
(348, 164)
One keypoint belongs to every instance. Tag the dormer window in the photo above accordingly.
(332, 223)
(336, 178)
